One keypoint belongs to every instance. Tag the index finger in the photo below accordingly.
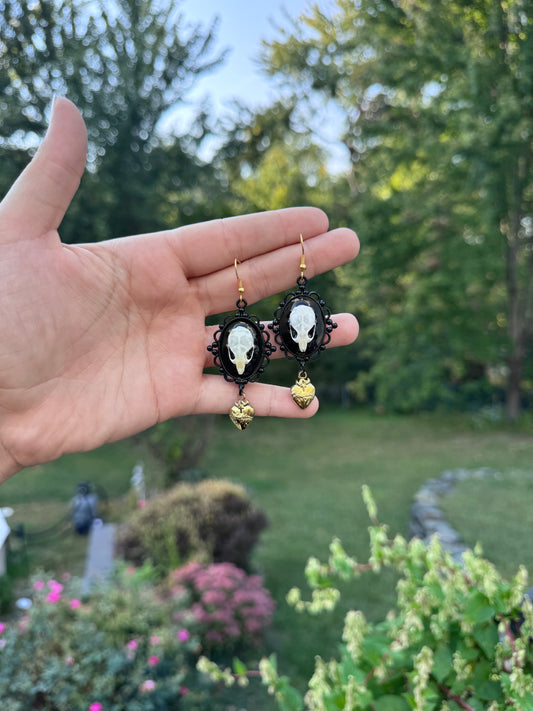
(207, 247)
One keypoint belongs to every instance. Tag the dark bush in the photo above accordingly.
(212, 521)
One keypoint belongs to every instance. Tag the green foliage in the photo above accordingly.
(458, 637)
(438, 112)
(121, 649)
(212, 521)
(6, 593)
(125, 64)
(181, 444)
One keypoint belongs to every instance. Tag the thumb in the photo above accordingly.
(39, 198)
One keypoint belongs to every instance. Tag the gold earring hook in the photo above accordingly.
(303, 266)
(239, 281)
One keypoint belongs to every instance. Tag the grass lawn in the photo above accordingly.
(40, 496)
(307, 476)
(497, 513)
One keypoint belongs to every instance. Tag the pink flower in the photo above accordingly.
(66, 577)
(132, 648)
(97, 706)
(55, 586)
(38, 585)
(253, 625)
(53, 596)
(2, 627)
(184, 690)
(141, 504)
(69, 661)
(183, 635)
(153, 661)
(154, 639)
(130, 570)
(147, 686)
(214, 597)
(75, 603)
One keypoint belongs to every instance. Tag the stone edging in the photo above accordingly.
(426, 516)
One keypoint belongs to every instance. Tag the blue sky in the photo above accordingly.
(242, 26)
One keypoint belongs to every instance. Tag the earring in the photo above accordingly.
(302, 326)
(241, 349)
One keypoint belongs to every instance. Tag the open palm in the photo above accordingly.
(100, 341)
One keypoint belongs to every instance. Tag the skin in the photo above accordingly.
(92, 337)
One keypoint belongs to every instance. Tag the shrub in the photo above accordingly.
(459, 637)
(231, 609)
(120, 650)
(6, 593)
(212, 521)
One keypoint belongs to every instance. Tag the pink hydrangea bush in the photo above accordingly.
(230, 608)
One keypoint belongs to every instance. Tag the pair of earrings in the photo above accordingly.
(241, 347)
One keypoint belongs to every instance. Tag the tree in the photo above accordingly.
(125, 63)
(269, 160)
(438, 105)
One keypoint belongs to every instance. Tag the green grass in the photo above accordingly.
(39, 497)
(307, 476)
(109, 467)
(498, 513)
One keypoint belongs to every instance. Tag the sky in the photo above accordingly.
(242, 26)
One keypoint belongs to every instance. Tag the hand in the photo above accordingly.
(99, 341)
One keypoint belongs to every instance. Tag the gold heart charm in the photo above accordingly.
(241, 414)
(303, 391)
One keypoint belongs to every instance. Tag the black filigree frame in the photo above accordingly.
(324, 325)
(263, 348)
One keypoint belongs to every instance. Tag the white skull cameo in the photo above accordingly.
(240, 347)
(302, 322)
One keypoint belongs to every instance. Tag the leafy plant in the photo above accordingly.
(458, 638)
(120, 649)
(181, 444)
(231, 609)
(6, 592)
(213, 521)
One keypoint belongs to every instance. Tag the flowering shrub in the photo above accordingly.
(119, 650)
(213, 521)
(459, 637)
(230, 608)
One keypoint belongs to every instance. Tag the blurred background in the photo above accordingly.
(410, 122)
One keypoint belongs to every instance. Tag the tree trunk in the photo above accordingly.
(514, 379)
(518, 291)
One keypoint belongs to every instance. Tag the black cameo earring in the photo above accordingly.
(241, 349)
(302, 326)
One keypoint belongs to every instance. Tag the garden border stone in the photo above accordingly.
(427, 518)
(100, 554)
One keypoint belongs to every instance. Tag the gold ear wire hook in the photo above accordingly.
(303, 266)
(239, 281)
